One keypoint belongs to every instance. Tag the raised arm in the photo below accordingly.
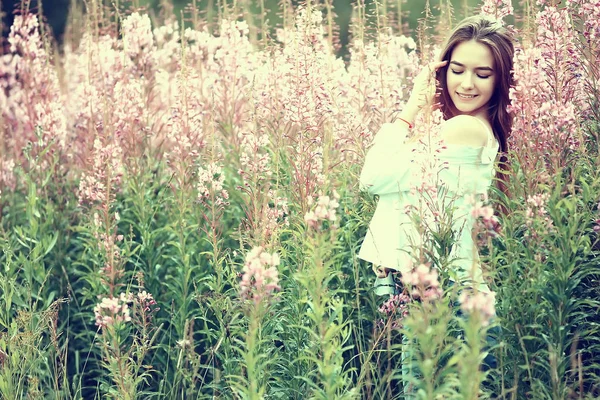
(387, 164)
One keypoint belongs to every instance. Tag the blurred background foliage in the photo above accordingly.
(56, 12)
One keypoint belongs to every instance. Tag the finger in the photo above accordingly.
(437, 64)
(431, 68)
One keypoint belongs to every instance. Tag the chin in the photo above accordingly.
(466, 109)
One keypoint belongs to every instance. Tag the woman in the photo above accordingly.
(474, 76)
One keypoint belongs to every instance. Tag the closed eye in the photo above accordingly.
(460, 72)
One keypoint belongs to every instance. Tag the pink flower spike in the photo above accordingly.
(260, 277)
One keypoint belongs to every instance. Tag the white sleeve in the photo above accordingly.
(388, 161)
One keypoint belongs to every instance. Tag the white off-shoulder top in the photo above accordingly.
(390, 171)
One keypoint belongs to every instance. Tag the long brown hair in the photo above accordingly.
(500, 42)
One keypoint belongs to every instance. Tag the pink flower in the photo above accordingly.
(479, 303)
(588, 12)
(106, 168)
(7, 175)
(112, 310)
(34, 104)
(324, 210)
(138, 41)
(184, 122)
(497, 9)
(260, 277)
(275, 215)
(548, 100)
(536, 214)
(255, 158)
(489, 220)
(422, 282)
(396, 307)
(147, 304)
(210, 183)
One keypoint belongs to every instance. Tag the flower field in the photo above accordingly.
(180, 213)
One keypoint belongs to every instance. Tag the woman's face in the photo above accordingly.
(470, 78)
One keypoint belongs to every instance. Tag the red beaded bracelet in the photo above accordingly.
(408, 123)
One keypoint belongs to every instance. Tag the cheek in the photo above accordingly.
(490, 87)
(450, 81)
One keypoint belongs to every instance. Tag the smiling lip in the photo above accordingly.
(471, 96)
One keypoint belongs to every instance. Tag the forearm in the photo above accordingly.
(407, 117)
(409, 113)
(423, 92)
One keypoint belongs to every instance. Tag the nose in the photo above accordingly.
(467, 82)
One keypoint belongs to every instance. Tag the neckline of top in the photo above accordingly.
(472, 147)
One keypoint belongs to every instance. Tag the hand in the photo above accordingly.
(424, 86)
(380, 271)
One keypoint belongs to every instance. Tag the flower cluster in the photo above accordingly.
(312, 101)
(210, 183)
(106, 169)
(557, 40)
(537, 211)
(379, 70)
(184, 125)
(485, 213)
(548, 98)
(7, 175)
(168, 45)
(137, 35)
(94, 68)
(265, 211)
(231, 63)
(8, 80)
(426, 156)
(34, 105)
(589, 12)
(146, 301)
(300, 80)
(255, 159)
(423, 283)
(480, 303)
(260, 277)
(145, 306)
(274, 214)
(396, 307)
(113, 310)
(129, 117)
(138, 44)
(324, 210)
(497, 9)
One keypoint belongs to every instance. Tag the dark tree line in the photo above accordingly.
(54, 12)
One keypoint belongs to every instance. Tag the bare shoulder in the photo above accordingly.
(464, 130)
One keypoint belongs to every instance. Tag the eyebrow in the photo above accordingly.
(478, 68)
